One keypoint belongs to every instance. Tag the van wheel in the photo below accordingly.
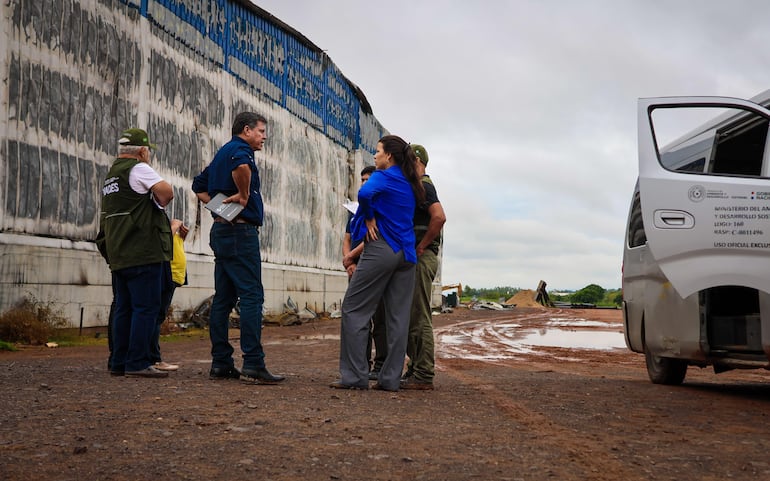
(664, 370)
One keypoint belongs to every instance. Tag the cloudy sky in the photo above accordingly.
(528, 111)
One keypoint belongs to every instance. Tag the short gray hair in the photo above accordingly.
(130, 149)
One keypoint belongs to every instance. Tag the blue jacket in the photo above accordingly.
(218, 177)
(388, 197)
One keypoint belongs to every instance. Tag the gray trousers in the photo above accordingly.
(380, 274)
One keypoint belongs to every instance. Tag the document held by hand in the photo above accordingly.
(227, 211)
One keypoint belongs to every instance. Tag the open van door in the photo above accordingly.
(705, 194)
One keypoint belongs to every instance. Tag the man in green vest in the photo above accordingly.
(136, 242)
(429, 218)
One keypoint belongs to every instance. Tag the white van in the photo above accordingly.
(696, 263)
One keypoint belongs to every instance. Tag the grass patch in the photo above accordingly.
(68, 337)
(186, 335)
(71, 337)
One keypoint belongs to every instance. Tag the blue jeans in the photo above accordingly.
(137, 300)
(166, 295)
(237, 274)
(109, 325)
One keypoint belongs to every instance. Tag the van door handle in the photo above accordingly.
(673, 219)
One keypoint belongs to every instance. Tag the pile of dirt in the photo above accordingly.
(524, 298)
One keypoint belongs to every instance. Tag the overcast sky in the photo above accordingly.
(528, 111)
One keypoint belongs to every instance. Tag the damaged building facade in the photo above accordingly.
(75, 73)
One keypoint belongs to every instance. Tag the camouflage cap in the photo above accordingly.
(136, 137)
(421, 153)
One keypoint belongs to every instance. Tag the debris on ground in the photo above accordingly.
(490, 305)
(307, 314)
(541, 295)
(283, 319)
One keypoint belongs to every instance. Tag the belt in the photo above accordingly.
(237, 220)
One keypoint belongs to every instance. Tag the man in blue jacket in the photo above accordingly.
(237, 264)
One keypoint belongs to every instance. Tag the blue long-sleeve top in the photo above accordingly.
(218, 177)
(388, 197)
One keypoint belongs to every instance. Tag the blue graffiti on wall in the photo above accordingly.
(269, 59)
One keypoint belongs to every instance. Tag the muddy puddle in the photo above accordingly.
(500, 339)
(510, 339)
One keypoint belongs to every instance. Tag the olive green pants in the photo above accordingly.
(419, 346)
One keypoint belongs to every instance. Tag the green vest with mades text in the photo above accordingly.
(136, 230)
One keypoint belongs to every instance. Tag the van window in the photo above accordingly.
(740, 148)
(636, 234)
(733, 144)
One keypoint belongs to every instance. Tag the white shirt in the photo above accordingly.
(142, 177)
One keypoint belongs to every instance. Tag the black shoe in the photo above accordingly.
(224, 373)
(148, 372)
(260, 376)
(373, 375)
(414, 383)
(117, 373)
(380, 387)
(407, 375)
(340, 385)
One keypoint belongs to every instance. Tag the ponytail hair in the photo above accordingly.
(404, 157)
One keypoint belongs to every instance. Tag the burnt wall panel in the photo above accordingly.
(82, 194)
(56, 105)
(71, 107)
(332, 239)
(270, 176)
(99, 174)
(29, 181)
(12, 176)
(14, 87)
(78, 73)
(90, 195)
(86, 122)
(50, 178)
(69, 179)
(178, 208)
(70, 15)
(300, 239)
(83, 114)
(270, 234)
(185, 92)
(44, 101)
(178, 152)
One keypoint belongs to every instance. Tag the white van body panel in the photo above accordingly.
(692, 221)
(696, 262)
(672, 339)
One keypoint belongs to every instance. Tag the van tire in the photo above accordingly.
(664, 370)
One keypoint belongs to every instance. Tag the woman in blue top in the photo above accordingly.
(386, 267)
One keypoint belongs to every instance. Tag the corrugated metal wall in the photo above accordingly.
(75, 73)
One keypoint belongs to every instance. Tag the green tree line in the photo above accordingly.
(590, 294)
(593, 294)
(490, 294)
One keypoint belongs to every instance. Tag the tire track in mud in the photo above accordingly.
(478, 338)
(594, 459)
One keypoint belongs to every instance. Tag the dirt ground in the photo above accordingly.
(502, 410)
